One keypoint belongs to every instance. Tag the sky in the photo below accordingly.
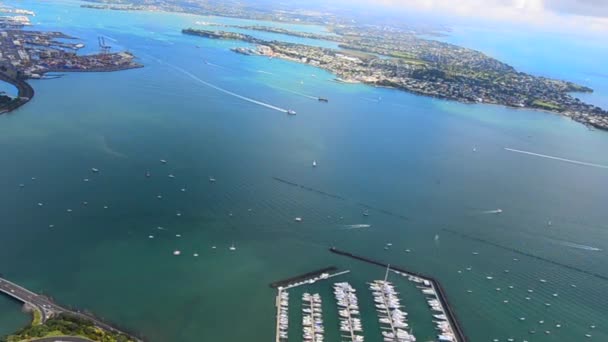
(580, 15)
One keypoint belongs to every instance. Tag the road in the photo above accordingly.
(48, 308)
(62, 339)
(42, 304)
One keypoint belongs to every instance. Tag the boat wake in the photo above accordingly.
(357, 226)
(495, 211)
(576, 245)
(557, 158)
(244, 98)
(213, 64)
(110, 38)
(300, 94)
(102, 142)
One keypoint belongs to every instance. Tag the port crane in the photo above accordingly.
(102, 45)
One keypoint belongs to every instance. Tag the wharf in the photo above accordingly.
(449, 312)
(308, 275)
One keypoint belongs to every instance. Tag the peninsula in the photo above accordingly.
(393, 58)
(27, 54)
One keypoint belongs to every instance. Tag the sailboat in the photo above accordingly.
(232, 247)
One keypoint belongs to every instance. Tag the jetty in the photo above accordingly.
(301, 277)
(450, 316)
(48, 309)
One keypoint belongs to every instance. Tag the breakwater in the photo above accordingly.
(520, 252)
(301, 277)
(441, 294)
(341, 198)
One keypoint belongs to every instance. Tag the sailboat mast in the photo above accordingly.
(388, 267)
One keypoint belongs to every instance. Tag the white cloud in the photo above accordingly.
(566, 15)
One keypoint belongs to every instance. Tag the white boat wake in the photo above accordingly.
(557, 158)
(495, 211)
(110, 38)
(244, 98)
(576, 245)
(357, 226)
(300, 94)
(265, 72)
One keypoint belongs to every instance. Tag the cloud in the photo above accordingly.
(557, 14)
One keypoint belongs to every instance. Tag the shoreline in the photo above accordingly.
(25, 92)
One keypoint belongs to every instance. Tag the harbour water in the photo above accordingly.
(426, 167)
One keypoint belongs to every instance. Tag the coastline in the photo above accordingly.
(25, 92)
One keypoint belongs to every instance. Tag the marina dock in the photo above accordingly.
(312, 318)
(439, 292)
(309, 275)
(349, 311)
(282, 301)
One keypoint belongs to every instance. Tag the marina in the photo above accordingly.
(350, 322)
(312, 318)
(447, 323)
(392, 318)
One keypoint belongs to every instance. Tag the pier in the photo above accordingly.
(312, 318)
(347, 299)
(282, 304)
(48, 308)
(440, 292)
(308, 275)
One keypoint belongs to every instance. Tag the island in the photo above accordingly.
(402, 60)
(29, 54)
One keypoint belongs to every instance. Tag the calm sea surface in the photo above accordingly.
(442, 166)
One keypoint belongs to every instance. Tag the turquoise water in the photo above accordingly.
(405, 154)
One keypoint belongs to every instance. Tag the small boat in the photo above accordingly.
(298, 219)
(171, 175)
(366, 213)
(232, 247)
(211, 179)
(177, 252)
(148, 174)
(322, 99)
(94, 170)
(314, 163)
(291, 112)
(163, 161)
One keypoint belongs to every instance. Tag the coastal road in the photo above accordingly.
(47, 308)
(62, 339)
(42, 304)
